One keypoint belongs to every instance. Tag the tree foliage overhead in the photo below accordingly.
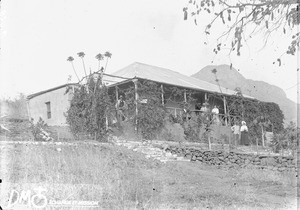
(239, 15)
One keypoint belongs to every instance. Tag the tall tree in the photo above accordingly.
(107, 55)
(88, 111)
(244, 18)
(90, 106)
(81, 55)
(71, 59)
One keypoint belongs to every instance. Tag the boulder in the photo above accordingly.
(188, 156)
(194, 158)
(199, 158)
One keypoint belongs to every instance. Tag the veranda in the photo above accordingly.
(174, 107)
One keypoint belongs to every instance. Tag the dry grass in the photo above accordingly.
(84, 172)
(121, 179)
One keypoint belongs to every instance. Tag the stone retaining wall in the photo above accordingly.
(233, 159)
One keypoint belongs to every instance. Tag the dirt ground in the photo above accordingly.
(121, 179)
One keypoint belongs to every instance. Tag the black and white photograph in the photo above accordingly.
(149, 104)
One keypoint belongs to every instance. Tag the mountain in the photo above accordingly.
(231, 79)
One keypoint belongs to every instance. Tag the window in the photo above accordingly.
(48, 109)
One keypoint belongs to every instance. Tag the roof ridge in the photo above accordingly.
(48, 90)
(145, 64)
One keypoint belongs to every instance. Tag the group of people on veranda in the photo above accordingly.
(241, 133)
(215, 113)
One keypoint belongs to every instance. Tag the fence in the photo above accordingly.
(222, 119)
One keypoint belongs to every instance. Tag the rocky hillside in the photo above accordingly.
(231, 78)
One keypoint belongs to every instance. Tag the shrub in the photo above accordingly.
(287, 139)
(151, 112)
(257, 114)
(192, 128)
(88, 110)
(150, 120)
(128, 130)
(173, 132)
(40, 130)
(197, 127)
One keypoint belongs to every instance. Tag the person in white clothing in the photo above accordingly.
(215, 112)
(244, 134)
(236, 132)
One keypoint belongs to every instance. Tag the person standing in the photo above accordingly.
(121, 107)
(203, 108)
(236, 133)
(215, 112)
(244, 134)
(205, 111)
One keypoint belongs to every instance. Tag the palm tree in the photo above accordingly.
(81, 55)
(99, 57)
(70, 59)
(107, 55)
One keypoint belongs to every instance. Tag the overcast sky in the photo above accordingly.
(38, 36)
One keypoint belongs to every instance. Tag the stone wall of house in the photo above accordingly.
(233, 159)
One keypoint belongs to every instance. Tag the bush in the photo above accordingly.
(192, 128)
(88, 110)
(40, 131)
(196, 127)
(287, 139)
(150, 120)
(256, 114)
(151, 112)
(173, 132)
(128, 130)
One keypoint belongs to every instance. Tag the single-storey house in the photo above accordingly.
(51, 105)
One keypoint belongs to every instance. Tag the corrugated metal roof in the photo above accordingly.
(167, 76)
(108, 80)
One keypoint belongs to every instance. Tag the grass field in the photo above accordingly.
(121, 179)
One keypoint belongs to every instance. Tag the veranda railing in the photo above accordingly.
(223, 119)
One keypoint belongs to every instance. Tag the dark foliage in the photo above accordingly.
(287, 138)
(273, 113)
(256, 114)
(40, 130)
(151, 112)
(88, 110)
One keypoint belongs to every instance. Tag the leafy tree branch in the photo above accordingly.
(241, 15)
